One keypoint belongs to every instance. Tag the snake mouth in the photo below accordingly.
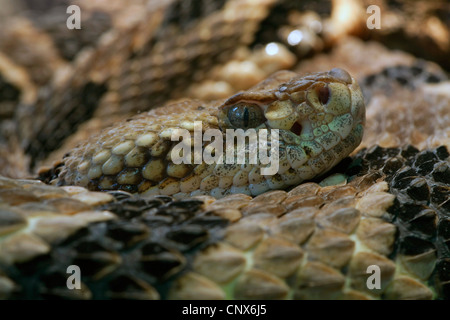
(296, 128)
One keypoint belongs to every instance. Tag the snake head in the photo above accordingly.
(320, 118)
(325, 107)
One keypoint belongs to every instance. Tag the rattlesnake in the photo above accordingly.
(326, 110)
(386, 206)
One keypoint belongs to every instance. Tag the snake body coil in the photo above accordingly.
(320, 118)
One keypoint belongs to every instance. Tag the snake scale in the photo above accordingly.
(140, 226)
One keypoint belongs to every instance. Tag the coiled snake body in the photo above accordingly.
(312, 241)
(320, 118)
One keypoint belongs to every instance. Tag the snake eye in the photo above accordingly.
(245, 116)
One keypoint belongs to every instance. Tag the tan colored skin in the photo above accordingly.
(134, 155)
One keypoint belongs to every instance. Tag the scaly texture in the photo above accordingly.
(320, 119)
(389, 207)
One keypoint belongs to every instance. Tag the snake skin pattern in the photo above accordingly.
(327, 109)
(237, 234)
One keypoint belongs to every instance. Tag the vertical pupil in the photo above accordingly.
(246, 117)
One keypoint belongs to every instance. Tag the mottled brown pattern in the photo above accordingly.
(386, 205)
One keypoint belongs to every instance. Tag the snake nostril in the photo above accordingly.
(324, 94)
(296, 128)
